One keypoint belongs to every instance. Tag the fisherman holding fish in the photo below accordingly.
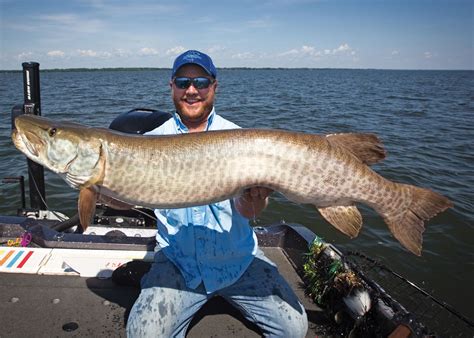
(210, 250)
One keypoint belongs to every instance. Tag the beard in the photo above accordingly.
(193, 111)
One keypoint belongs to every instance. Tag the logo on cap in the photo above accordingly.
(192, 55)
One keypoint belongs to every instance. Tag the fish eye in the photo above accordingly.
(52, 131)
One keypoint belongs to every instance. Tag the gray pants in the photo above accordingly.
(166, 305)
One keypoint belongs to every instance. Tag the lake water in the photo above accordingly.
(425, 119)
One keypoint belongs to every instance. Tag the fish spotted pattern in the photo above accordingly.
(329, 171)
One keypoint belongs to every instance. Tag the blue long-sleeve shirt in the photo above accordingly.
(212, 244)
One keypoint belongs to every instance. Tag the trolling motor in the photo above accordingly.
(31, 105)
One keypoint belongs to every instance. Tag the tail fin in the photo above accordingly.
(366, 147)
(408, 226)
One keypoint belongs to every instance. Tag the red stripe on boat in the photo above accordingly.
(28, 255)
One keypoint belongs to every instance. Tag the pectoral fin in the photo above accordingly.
(346, 219)
(86, 206)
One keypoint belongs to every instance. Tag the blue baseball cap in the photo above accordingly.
(197, 58)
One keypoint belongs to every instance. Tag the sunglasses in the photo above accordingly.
(197, 82)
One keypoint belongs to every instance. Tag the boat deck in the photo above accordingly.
(49, 306)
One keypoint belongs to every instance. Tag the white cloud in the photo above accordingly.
(309, 50)
(24, 55)
(120, 52)
(395, 52)
(259, 23)
(88, 52)
(428, 55)
(341, 49)
(120, 8)
(67, 22)
(93, 54)
(289, 52)
(243, 56)
(304, 51)
(310, 56)
(63, 19)
(56, 53)
(216, 49)
(175, 50)
(147, 51)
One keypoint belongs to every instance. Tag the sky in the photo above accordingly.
(403, 34)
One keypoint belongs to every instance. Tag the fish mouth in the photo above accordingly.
(31, 148)
(27, 142)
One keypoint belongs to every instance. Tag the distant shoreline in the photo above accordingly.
(118, 69)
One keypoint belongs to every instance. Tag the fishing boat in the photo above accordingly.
(57, 282)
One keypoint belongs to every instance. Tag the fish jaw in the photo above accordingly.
(28, 143)
(64, 148)
(32, 136)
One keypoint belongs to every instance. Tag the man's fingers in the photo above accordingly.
(259, 192)
(265, 192)
(254, 192)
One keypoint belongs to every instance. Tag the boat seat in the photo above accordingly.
(139, 120)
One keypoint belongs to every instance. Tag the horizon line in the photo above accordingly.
(234, 68)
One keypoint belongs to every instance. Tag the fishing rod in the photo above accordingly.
(441, 303)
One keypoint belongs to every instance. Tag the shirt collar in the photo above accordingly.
(181, 127)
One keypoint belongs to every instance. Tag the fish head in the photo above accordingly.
(66, 148)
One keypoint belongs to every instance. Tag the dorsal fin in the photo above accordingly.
(366, 147)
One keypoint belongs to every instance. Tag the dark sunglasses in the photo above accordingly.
(197, 82)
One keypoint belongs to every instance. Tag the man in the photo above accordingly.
(210, 250)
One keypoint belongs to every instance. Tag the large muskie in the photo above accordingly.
(330, 172)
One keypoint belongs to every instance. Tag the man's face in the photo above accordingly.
(193, 105)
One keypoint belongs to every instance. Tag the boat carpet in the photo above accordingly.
(71, 306)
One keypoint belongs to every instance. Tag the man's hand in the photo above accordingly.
(252, 201)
